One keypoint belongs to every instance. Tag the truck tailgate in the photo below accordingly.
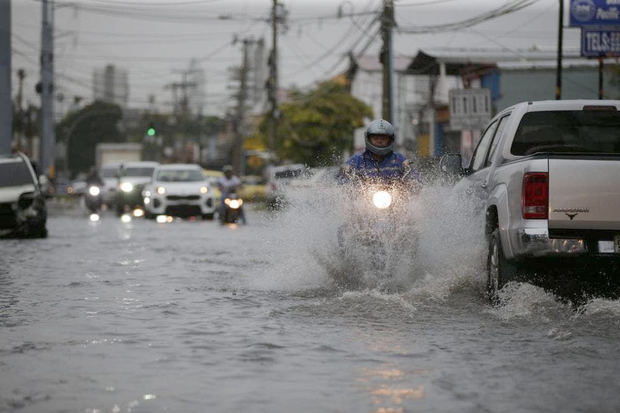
(584, 193)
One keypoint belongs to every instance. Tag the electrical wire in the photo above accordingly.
(511, 7)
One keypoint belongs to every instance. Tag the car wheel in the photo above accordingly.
(499, 270)
(208, 217)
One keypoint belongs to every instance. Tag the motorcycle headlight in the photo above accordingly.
(234, 203)
(94, 190)
(161, 190)
(204, 190)
(126, 187)
(382, 199)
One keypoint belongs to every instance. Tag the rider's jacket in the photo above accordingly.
(393, 166)
(227, 185)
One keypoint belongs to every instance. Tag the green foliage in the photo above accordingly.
(317, 126)
(84, 129)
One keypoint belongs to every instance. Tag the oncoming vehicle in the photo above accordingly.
(179, 190)
(22, 204)
(132, 177)
(376, 232)
(109, 174)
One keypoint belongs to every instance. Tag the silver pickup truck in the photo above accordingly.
(548, 177)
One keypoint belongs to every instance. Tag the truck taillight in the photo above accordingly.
(535, 195)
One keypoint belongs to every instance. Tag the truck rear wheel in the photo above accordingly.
(499, 270)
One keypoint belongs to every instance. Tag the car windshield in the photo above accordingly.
(108, 172)
(140, 171)
(14, 174)
(594, 131)
(180, 175)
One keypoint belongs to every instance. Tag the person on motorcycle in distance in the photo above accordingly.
(93, 178)
(227, 184)
(379, 162)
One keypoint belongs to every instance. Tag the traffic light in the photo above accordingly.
(151, 130)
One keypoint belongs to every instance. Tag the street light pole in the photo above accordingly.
(387, 59)
(558, 73)
(48, 138)
(6, 120)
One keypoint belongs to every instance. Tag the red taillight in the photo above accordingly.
(535, 195)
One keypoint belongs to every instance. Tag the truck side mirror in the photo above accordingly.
(451, 164)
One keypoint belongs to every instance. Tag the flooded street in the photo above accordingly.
(194, 316)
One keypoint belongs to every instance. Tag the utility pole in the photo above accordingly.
(387, 59)
(237, 152)
(6, 120)
(558, 70)
(180, 106)
(48, 137)
(272, 83)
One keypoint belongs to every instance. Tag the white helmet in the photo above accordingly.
(380, 127)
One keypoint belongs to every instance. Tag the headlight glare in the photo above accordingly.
(382, 199)
(161, 190)
(126, 187)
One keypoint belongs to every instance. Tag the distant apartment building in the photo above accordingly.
(111, 84)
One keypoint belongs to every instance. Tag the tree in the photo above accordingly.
(317, 126)
(84, 129)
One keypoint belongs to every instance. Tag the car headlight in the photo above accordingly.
(161, 190)
(94, 190)
(126, 187)
(382, 199)
(204, 190)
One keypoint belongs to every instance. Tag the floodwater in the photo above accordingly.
(194, 317)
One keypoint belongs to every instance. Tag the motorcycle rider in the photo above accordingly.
(379, 161)
(93, 178)
(229, 183)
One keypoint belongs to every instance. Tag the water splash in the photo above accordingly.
(434, 249)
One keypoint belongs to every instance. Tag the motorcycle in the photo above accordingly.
(232, 209)
(93, 199)
(376, 235)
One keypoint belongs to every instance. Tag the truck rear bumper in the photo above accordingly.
(536, 242)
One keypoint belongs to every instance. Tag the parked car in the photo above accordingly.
(547, 175)
(179, 190)
(22, 203)
(132, 178)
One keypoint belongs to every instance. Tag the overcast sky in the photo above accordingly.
(154, 40)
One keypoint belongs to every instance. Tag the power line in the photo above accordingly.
(511, 7)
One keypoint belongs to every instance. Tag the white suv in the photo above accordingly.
(179, 190)
(22, 204)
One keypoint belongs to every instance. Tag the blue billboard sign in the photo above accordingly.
(600, 43)
(594, 13)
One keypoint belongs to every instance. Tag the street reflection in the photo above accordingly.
(387, 389)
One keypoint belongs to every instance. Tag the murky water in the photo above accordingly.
(193, 317)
